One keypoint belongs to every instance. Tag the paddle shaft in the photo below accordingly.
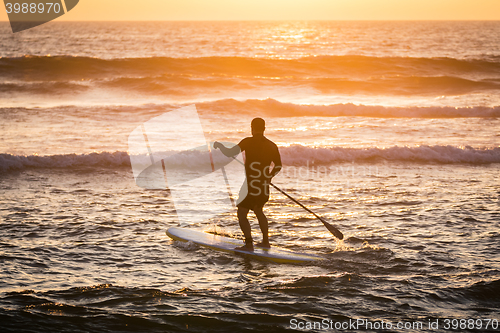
(297, 202)
(336, 232)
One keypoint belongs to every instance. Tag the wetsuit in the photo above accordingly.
(260, 152)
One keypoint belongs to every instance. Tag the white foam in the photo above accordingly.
(301, 155)
(293, 155)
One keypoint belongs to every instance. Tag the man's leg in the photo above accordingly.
(263, 224)
(245, 227)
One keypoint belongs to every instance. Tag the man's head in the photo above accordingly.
(258, 126)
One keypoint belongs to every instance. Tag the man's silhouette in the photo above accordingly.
(260, 154)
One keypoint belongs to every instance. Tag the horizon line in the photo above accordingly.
(288, 20)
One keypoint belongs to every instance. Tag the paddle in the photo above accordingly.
(336, 232)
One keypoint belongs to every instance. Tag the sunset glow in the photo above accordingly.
(159, 10)
(266, 165)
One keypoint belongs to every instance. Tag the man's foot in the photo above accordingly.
(263, 244)
(246, 247)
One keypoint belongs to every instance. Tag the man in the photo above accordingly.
(260, 153)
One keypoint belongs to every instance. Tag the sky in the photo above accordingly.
(158, 10)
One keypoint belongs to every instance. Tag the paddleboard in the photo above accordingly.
(226, 244)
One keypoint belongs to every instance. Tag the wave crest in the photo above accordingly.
(272, 107)
(160, 76)
(301, 155)
(295, 155)
(44, 67)
(10, 162)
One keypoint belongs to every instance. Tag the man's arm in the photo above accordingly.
(229, 152)
(277, 164)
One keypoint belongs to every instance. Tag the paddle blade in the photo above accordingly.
(336, 232)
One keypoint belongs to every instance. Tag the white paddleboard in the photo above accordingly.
(226, 244)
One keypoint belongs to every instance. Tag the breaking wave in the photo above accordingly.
(322, 66)
(181, 76)
(296, 155)
(272, 107)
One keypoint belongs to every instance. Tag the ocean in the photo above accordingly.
(388, 130)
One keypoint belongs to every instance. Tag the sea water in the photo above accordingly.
(388, 130)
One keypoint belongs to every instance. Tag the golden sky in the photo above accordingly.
(110, 10)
